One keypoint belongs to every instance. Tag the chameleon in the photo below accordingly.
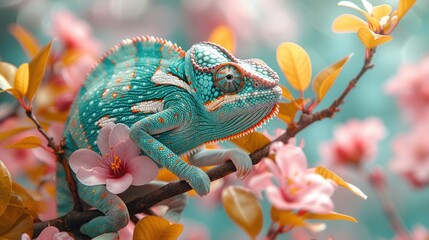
(174, 102)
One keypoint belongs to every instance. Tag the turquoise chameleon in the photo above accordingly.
(174, 102)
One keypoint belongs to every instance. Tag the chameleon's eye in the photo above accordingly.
(229, 77)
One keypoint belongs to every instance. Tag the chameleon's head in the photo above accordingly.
(229, 87)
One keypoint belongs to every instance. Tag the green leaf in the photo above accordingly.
(251, 142)
(37, 69)
(244, 209)
(295, 64)
(326, 78)
(154, 227)
(5, 187)
(27, 142)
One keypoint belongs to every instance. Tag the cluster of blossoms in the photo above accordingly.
(410, 87)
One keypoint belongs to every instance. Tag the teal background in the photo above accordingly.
(312, 31)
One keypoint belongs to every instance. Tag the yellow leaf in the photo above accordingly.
(287, 111)
(7, 75)
(354, 6)
(404, 6)
(154, 227)
(330, 216)
(251, 142)
(15, 221)
(381, 11)
(338, 180)
(166, 175)
(26, 39)
(21, 80)
(325, 78)
(244, 209)
(224, 36)
(289, 218)
(71, 56)
(51, 114)
(9, 133)
(5, 187)
(28, 200)
(348, 23)
(27, 142)
(295, 64)
(37, 69)
(371, 39)
(286, 93)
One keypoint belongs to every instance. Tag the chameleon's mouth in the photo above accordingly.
(274, 94)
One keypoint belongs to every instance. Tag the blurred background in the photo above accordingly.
(259, 27)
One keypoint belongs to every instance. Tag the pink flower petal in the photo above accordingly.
(127, 150)
(103, 139)
(93, 176)
(259, 182)
(291, 160)
(120, 133)
(48, 233)
(84, 158)
(142, 169)
(276, 198)
(119, 185)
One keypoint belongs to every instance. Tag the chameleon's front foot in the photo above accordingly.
(198, 179)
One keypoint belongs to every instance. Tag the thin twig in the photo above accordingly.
(139, 205)
(59, 153)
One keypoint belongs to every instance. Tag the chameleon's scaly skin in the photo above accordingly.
(174, 102)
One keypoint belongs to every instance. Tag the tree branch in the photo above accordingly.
(75, 219)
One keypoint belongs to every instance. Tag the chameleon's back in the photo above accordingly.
(111, 93)
(117, 84)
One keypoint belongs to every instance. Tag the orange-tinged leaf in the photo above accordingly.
(326, 78)
(27, 142)
(7, 75)
(348, 23)
(21, 79)
(330, 216)
(244, 209)
(371, 39)
(338, 180)
(289, 218)
(5, 187)
(15, 221)
(287, 111)
(295, 64)
(26, 39)
(166, 175)
(404, 6)
(251, 142)
(37, 69)
(381, 11)
(71, 56)
(154, 227)
(14, 210)
(27, 199)
(286, 93)
(9, 133)
(224, 36)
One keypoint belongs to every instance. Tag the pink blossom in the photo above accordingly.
(74, 34)
(17, 161)
(56, 132)
(354, 142)
(50, 233)
(120, 164)
(410, 87)
(296, 188)
(411, 156)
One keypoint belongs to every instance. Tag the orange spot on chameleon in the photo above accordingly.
(119, 80)
(103, 196)
(105, 93)
(114, 95)
(161, 120)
